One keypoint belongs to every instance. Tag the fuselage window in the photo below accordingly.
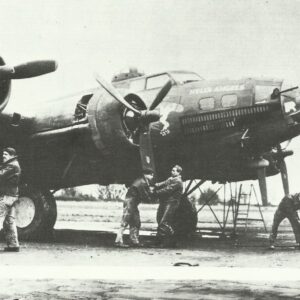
(229, 100)
(137, 85)
(157, 81)
(207, 103)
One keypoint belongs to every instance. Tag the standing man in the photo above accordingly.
(169, 193)
(139, 191)
(10, 172)
(287, 209)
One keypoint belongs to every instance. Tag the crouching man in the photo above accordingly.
(139, 191)
(10, 172)
(287, 209)
(169, 193)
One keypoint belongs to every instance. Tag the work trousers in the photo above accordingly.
(9, 224)
(131, 218)
(279, 216)
(131, 215)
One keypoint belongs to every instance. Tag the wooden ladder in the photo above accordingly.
(242, 209)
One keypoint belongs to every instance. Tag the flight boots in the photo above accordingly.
(134, 237)
(119, 239)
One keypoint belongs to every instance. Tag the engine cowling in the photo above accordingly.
(105, 116)
(5, 87)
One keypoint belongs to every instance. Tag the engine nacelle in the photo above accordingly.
(4, 93)
(105, 118)
(5, 86)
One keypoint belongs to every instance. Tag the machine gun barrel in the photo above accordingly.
(276, 93)
(288, 90)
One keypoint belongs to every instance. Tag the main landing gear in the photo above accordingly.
(36, 213)
(186, 218)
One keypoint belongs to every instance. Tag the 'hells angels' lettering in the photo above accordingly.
(218, 88)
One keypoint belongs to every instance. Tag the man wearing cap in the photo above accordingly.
(10, 172)
(139, 191)
(169, 193)
(287, 209)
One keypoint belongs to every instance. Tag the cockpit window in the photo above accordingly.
(137, 85)
(207, 103)
(183, 78)
(157, 81)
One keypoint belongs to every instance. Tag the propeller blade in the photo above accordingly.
(283, 168)
(115, 94)
(146, 150)
(33, 69)
(284, 176)
(161, 95)
(261, 174)
(6, 72)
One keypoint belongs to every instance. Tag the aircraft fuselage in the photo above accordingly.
(214, 129)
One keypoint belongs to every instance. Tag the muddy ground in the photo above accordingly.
(82, 263)
(144, 290)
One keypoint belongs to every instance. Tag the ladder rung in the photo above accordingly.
(244, 202)
(249, 219)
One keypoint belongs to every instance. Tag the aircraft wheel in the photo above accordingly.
(186, 219)
(36, 213)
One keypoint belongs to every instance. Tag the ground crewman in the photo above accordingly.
(169, 193)
(287, 209)
(139, 191)
(10, 172)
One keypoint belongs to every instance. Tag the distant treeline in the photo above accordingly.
(113, 192)
(117, 192)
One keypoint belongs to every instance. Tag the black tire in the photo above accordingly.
(41, 215)
(186, 219)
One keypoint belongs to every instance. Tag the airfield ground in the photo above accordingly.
(81, 262)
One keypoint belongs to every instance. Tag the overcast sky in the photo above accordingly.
(217, 39)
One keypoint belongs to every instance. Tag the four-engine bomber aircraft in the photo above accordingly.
(224, 131)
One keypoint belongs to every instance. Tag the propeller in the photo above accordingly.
(144, 118)
(115, 94)
(284, 176)
(161, 95)
(260, 165)
(26, 70)
(282, 167)
(261, 174)
(280, 153)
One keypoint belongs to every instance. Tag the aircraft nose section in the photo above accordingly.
(295, 116)
(291, 104)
